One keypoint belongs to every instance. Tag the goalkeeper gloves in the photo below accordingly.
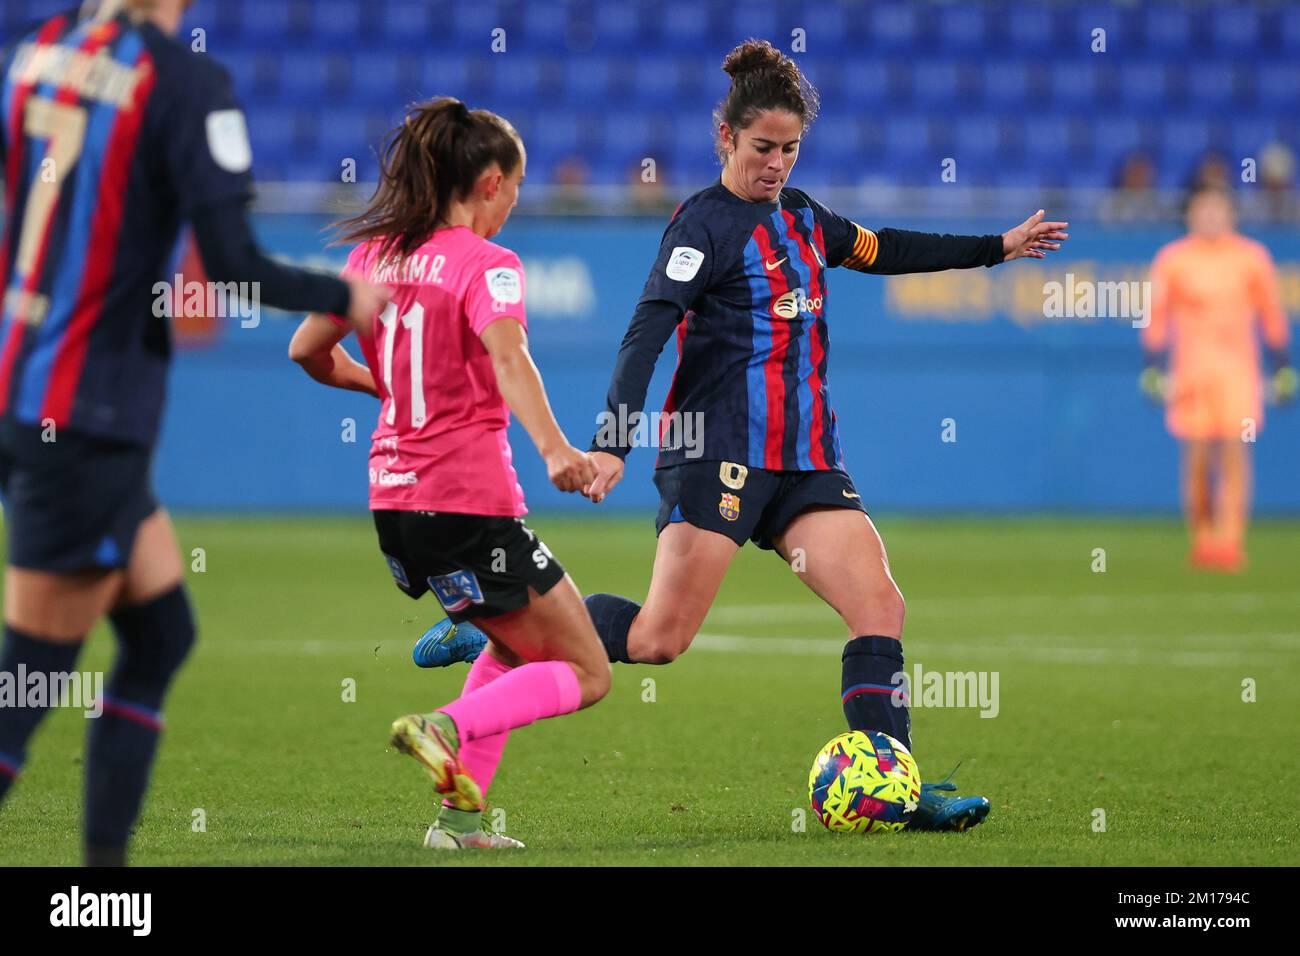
(1154, 381)
(1284, 382)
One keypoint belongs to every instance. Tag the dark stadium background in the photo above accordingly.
(1016, 98)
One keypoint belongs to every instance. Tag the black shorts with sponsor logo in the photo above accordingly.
(744, 503)
(72, 501)
(475, 565)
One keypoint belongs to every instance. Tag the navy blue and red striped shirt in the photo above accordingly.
(111, 134)
(743, 284)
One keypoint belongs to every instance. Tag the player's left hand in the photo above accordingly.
(1033, 238)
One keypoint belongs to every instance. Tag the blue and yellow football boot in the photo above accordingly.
(446, 643)
(937, 812)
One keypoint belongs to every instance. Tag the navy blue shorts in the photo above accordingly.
(72, 504)
(746, 504)
(475, 565)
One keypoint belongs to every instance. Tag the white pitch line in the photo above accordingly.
(1012, 604)
(1046, 651)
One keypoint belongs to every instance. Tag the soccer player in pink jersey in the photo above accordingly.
(1214, 293)
(451, 350)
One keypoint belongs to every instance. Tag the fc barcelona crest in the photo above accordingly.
(729, 507)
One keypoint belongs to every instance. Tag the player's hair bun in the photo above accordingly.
(754, 55)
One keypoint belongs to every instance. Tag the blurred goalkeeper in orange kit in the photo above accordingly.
(1208, 291)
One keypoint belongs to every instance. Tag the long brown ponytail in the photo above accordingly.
(435, 155)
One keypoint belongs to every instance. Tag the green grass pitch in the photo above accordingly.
(1120, 692)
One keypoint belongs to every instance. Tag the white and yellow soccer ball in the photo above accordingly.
(864, 782)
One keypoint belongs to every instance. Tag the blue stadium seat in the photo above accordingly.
(266, 21)
(684, 26)
(1114, 137)
(410, 23)
(1184, 138)
(1234, 29)
(1212, 83)
(1289, 30)
(1277, 85)
(617, 26)
(978, 140)
(934, 83)
(962, 27)
(1076, 81)
(447, 76)
(341, 21)
(1167, 28)
(1251, 133)
(757, 19)
(895, 27)
(655, 79)
(1143, 83)
(907, 138)
(545, 23)
(865, 82)
(1006, 82)
(1047, 140)
(1032, 30)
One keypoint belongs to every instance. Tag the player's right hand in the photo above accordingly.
(609, 472)
(570, 469)
(1154, 383)
(365, 301)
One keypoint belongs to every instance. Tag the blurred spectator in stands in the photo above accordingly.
(1277, 183)
(571, 189)
(646, 193)
(1212, 172)
(1134, 196)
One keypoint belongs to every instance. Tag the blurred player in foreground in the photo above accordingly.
(111, 134)
(452, 350)
(1208, 291)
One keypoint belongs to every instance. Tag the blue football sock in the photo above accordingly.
(24, 655)
(612, 616)
(873, 698)
(153, 641)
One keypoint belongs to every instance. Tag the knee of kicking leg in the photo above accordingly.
(667, 643)
(879, 610)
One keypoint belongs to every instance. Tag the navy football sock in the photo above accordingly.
(612, 616)
(153, 641)
(24, 655)
(873, 699)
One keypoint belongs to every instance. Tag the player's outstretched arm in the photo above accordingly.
(317, 347)
(521, 386)
(231, 254)
(903, 251)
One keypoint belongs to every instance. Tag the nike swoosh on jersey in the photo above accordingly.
(769, 266)
(847, 495)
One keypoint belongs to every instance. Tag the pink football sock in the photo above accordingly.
(516, 699)
(481, 757)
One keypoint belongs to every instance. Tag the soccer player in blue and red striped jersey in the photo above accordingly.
(741, 280)
(112, 133)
